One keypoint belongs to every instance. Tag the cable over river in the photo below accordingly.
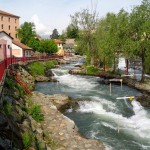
(120, 124)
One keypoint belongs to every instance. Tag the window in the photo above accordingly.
(15, 20)
(16, 36)
(15, 28)
(1, 18)
(0, 45)
(2, 26)
(8, 46)
(8, 19)
(9, 27)
(9, 34)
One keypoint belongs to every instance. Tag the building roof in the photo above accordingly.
(23, 46)
(8, 14)
(6, 34)
(58, 41)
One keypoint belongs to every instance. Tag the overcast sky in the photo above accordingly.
(50, 14)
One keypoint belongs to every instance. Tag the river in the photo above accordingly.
(120, 124)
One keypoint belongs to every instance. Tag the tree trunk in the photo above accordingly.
(127, 66)
(114, 65)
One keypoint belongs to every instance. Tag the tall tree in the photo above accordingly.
(139, 37)
(55, 34)
(26, 32)
(86, 23)
(72, 31)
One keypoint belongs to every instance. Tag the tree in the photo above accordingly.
(48, 46)
(34, 44)
(139, 34)
(26, 32)
(86, 23)
(55, 34)
(72, 31)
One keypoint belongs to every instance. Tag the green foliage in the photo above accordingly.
(47, 46)
(9, 83)
(27, 138)
(35, 112)
(26, 32)
(34, 44)
(50, 64)
(91, 70)
(21, 90)
(55, 34)
(36, 68)
(8, 108)
(72, 31)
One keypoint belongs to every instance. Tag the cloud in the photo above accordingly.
(41, 29)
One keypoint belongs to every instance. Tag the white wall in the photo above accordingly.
(17, 51)
(9, 42)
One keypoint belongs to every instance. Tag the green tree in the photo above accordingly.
(55, 34)
(48, 46)
(34, 44)
(72, 31)
(86, 23)
(26, 32)
(139, 34)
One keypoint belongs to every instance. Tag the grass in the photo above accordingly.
(91, 70)
(27, 138)
(35, 112)
(50, 64)
(8, 108)
(49, 141)
(36, 68)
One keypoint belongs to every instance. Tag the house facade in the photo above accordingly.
(21, 50)
(60, 45)
(9, 23)
(5, 45)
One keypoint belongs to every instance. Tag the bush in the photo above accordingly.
(27, 139)
(35, 112)
(91, 70)
(20, 90)
(8, 108)
(9, 83)
(50, 64)
(36, 68)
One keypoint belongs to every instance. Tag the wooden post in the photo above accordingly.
(110, 88)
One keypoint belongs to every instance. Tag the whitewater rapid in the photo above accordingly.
(104, 117)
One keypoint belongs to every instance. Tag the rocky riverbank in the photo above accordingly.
(35, 121)
(62, 131)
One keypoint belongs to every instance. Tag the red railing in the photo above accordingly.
(14, 60)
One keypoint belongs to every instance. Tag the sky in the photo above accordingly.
(48, 15)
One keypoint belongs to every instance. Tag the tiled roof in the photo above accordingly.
(8, 14)
(21, 45)
(58, 41)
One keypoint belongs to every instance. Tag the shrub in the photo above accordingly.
(27, 138)
(36, 68)
(35, 112)
(9, 83)
(20, 90)
(91, 70)
(50, 64)
(8, 108)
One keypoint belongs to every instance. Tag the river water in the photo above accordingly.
(120, 124)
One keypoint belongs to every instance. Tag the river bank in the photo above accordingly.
(49, 130)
